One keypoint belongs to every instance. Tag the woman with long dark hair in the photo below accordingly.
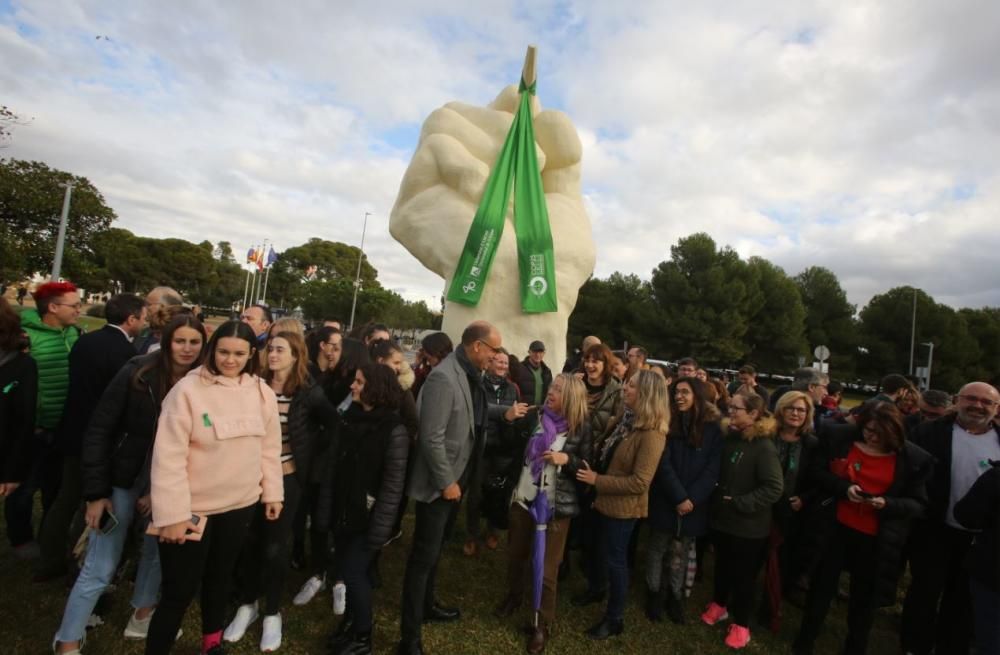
(361, 494)
(304, 412)
(875, 481)
(625, 463)
(433, 349)
(559, 447)
(337, 386)
(217, 454)
(678, 499)
(115, 460)
(750, 482)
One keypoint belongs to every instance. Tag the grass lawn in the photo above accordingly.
(31, 614)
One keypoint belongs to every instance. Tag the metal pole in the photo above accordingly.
(913, 330)
(930, 360)
(246, 290)
(267, 276)
(61, 239)
(357, 276)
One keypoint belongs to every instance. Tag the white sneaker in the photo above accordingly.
(245, 615)
(137, 628)
(313, 586)
(339, 598)
(270, 640)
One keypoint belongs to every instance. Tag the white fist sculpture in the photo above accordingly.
(440, 192)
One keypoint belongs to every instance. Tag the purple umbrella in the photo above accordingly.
(541, 511)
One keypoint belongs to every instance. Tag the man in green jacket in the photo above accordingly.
(52, 331)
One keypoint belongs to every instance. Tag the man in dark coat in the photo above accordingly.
(937, 614)
(95, 359)
(535, 376)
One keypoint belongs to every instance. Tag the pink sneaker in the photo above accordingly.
(714, 613)
(738, 636)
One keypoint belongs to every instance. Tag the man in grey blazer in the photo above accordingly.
(453, 407)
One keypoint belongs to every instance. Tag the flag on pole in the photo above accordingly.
(515, 173)
(259, 258)
(251, 255)
(271, 257)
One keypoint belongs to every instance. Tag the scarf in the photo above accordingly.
(552, 426)
(621, 430)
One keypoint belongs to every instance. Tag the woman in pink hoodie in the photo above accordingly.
(217, 454)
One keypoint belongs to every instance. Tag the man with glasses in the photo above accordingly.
(51, 329)
(933, 404)
(453, 416)
(963, 443)
(93, 362)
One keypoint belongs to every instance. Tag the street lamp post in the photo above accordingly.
(930, 360)
(357, 276)
(61, 239)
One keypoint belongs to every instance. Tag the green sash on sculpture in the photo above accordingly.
(517, 167)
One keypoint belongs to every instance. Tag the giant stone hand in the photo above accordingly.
(437, 200)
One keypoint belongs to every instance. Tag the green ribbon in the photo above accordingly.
(516, 168)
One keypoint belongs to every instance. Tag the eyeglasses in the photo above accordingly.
(76, 305)
(976, 400)
(492, 349)
(736, 408)
(796, 410)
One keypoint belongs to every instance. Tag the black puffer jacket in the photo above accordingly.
(980, 510)
(119, 437)
(366, 475)
(18, 398)
(312, 423)
(579, 446)
(906, 500)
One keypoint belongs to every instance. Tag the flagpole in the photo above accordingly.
(257, 293)
(357, 276)
(246, 290)
(267, 275)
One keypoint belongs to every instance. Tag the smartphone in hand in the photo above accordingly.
(108, 523)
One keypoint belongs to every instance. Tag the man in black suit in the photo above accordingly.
(95, 359)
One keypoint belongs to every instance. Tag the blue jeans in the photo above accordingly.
(103, 553)
(617, 533)
(986, 606)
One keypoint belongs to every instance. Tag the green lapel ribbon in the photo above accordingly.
(517, 167)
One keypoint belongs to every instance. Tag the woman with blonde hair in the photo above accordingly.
(750, 482)
(797, 446)
(623, 470)
(558, 450)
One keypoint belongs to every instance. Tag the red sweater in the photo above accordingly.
(874, 474)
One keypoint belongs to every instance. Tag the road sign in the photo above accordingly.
(822, 353)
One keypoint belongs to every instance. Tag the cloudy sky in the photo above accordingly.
(861, 136)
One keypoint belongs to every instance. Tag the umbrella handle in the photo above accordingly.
(528, 73)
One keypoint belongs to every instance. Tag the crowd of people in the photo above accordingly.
(229, 455)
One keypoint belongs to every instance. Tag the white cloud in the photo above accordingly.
(858, 136)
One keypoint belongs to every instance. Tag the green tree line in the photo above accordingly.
(99, 257)
(707, 302)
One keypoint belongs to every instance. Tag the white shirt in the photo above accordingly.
(970, 455)
(526, 489)
(127, 335)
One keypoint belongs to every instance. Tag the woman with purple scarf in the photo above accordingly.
(560, 446)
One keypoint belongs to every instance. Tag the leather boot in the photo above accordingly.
(360, 645)
(343, 635)
(675, 608)
(536, 640)
(606, 628)
(654, 605)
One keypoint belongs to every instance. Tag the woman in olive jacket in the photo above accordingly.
(750, 482)
(627, 461)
